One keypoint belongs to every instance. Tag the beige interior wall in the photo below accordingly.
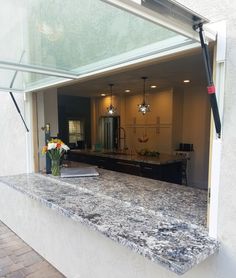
(41, 125)
(51, 110)
(47, 111)
(104, 102)
(35, 133)
(177, 130)
(196, 130)
(93, 121)
(156, 125)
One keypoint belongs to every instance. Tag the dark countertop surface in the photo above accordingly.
(163, 222)
(161, 159)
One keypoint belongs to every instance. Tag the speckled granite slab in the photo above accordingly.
(182, 202)
(134, 211)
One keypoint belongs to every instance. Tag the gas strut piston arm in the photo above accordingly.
(211, 86)
(12, 97)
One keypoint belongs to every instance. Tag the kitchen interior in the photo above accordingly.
(175, 127)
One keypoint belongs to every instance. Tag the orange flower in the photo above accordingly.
(58, 145)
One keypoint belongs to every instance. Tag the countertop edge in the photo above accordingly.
(139, 249)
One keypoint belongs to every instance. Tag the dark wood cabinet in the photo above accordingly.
(129, 167)
(105, 162)
(172, 172)
(150, 171)
(169, 172)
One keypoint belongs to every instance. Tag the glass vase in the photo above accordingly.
(55, 167)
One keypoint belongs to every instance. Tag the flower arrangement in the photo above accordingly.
(55, 150)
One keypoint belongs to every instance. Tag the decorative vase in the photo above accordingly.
(55, 167)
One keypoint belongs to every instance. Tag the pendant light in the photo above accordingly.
(111, 109)
(144, 107)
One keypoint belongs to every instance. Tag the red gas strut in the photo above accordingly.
(211, 87)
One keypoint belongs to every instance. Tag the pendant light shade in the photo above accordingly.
(111, 110)
(144, 107)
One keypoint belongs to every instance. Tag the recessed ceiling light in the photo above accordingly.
(153, 86)
(127, 91)
(103, 95)
(186, 81)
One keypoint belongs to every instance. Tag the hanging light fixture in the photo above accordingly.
(111, 109)
(144, 107)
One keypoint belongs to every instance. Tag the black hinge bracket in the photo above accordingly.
(210, 87)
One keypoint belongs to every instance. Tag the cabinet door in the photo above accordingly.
(151, 171)
(172, 172)
(106, 163)
(128, 167)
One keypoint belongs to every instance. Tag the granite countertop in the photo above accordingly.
(156, 219)
(161, 159)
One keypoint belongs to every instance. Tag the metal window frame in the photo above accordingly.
(215, 141)
(13, 90)
(140, 8)
(36, 69)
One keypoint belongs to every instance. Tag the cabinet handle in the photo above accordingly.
(148, 168)
(128, 164)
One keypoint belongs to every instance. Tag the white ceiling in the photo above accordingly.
(168, 73)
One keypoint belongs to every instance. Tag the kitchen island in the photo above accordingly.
(164, 167)
(163, 222)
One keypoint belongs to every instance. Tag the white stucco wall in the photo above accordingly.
(12, 131)
(12, 136)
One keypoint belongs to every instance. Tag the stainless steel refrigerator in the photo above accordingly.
(109, 128)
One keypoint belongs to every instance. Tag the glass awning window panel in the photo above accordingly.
(12, 15)
(77, 36)
(38, 81)
(71, 34)
(6, 78)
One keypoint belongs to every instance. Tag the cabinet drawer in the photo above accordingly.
(127, 167)
(151, 171)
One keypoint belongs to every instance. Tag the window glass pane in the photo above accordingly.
(76, 36)
(74, 127)
(12, 17)
(6, 77)
(72, 34)
(76, 131)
